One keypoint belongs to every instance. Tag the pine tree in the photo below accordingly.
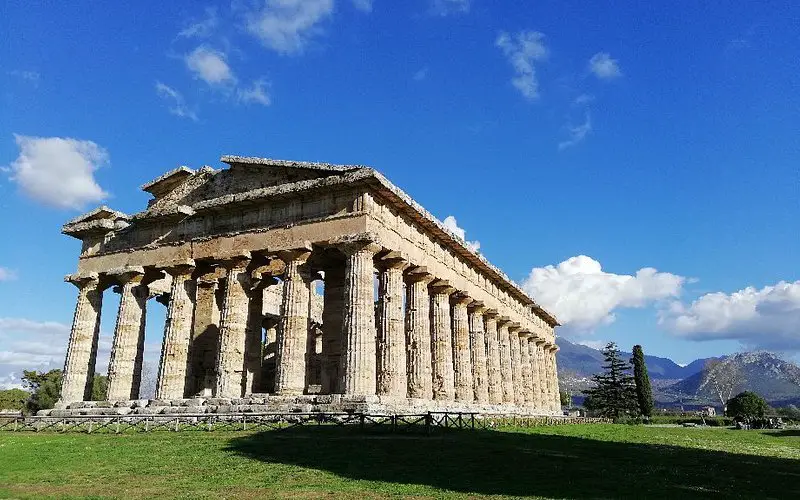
(614, 394)
(644, 393)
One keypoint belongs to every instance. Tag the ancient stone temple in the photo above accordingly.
(294, 286)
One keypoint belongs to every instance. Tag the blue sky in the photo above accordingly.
(619, 136)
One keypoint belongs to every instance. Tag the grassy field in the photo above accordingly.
(575, 461)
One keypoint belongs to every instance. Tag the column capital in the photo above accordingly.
(503, 321)
(353, 247)
(127, 274)
(236, 262)
(477, 307)
(179, 268)
(418, 274)
(210, 276)
(540, 341)
(490, 313)
(82, 280)
(525, 334)
(514, 327)
(391, 259)
(461, 298)
(442, 287)
(295, 254)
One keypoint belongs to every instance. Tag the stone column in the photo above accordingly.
(233, 330)
(290, 370)
(516, 365)
(477, 343)
(260, 278)
(527, 376)
(359, 360)
(79, 365)
(542, 372)
(536, 396)
(441, 342)
(554, 378)
(493, 358)
(506, 369)
(127, 350)
(462, 358)
(392, 379)
(173, 368)
(332, 312)
(418, 335)
(205, 335)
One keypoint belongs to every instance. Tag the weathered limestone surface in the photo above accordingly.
(127, 350)
(293, 330)
(462, 357)
(172, 370)
(233, 331)
(323, 229)
(82, 347)
(391, 347)
(442, 343)
(477, 343)
(359, 319)
(493, 359)
(418, 334)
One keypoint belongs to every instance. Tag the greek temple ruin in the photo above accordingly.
(299, 286)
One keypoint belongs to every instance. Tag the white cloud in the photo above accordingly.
(577, 133)
(604, 67)
(201, 28)
(363, 5)
(766, 318)
(421, 74)
(7, 274)
(256, 93)
(452, 225)
(446, 7)
(30, 345)
(58, 171)
(178, 105)
(26, 326)
(594, 344)
(286, 26)
(210, 66)
(583, 296)
(523, 50)
(31, 77)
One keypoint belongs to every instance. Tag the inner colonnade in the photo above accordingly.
(324, 311)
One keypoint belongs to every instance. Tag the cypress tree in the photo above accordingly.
(644, 393)
(614, 393)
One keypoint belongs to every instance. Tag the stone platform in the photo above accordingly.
(266, 403)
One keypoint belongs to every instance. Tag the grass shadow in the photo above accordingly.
(516, 464)
(784, 433)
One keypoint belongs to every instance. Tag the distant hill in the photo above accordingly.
(776, 380)
(585, 361)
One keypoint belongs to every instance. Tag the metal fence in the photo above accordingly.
(423, 423)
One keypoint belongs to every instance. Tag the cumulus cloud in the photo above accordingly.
(765, 318)
(57, 171)
(363, 5)
(577, 133)
(452, 225)
(210, 66)
(29, 345)
(287, 26)
(447, 7)
(421, 74)
(255, 93)
(523, 50)
(31, 77)
(604, 67)
(201, 28)
(583, 296)
(7, 274)
(177, 105)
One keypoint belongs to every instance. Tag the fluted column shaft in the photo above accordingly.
(554, 378)
(359, 361)
(506, 369)
(392, 379)
(462, 357)
(516, 366)
(127, 350)
(527, 376)
(233, 331)
(418, 337)
(535, 380)
(493, 361)
(480, 369)
(292, 344)
(442, 344)
(173, 368)
(79, 365)
(542, 372)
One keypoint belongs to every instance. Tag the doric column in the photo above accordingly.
(527, 376)
(127, 350)
(536, 396)
(542, 372)
(173, 368)
(462, 358)
(554, 377)
(359, 360)
(506, 369)
(290, 369)
(418, 334)
(332, 314)
(493, 358)
(441, 341)
(392, 380)
(79, 365)
(260, 278)
(233, 330)
(477, 343)
(516, 364)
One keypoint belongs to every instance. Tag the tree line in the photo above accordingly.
(42, 390)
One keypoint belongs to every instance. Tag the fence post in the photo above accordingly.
(361, 421)
(428, 423)
(472, 418)
(117, 425)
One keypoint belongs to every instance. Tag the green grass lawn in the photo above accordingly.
(573, 461)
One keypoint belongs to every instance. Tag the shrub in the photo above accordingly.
(746, 407)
